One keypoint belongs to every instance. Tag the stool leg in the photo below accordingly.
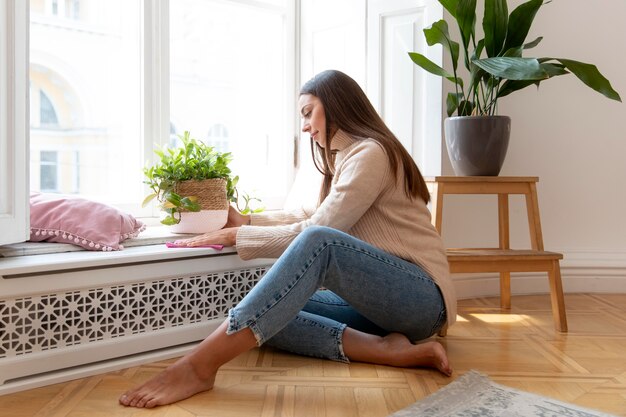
(556, 296)
(505, 290)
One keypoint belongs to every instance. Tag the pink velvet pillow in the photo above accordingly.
(89, 224)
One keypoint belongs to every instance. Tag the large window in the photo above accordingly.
(111, 80)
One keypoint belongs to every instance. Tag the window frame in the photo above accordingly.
(155, 112)
(14, 128)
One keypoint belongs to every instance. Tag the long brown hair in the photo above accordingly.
(346, 107)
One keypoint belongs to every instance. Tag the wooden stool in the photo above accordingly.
(503, 259)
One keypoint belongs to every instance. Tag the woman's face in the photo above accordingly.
(313, 118)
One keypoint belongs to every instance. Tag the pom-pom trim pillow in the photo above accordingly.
(89, 224)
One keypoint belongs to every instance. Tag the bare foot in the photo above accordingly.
(405, 354)
(179, 381)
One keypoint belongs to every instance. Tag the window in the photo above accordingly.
(110, 80)
(107, 92)
(218, 137)
(85, 80)
(231, 86)
(72, 9)
(47, 114)
(48, 171)
(60, 8)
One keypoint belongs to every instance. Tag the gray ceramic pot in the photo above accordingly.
(477, 144)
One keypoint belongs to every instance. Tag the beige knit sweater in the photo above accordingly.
(366, 201)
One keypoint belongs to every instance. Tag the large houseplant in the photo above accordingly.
(195, 184)
(494, 68)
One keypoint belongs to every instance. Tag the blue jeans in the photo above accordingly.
(365, 288)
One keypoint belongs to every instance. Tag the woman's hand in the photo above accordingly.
(236, 219)
(226, 237)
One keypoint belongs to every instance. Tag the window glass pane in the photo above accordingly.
(85, 80)
(228, 86)
(332, 36)
(48, 172)
(47, 114)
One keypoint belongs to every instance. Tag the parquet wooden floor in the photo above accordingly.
(586, 366)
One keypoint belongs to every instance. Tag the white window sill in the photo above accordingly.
(148, 247)
(153, 235)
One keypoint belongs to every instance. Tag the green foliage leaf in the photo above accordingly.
(455, 102)
(466, 108)
(170, 221)
(148, 199)
(495, 23)
(452, 102)
(438, 33)
(512, 68)
(510, 86)
(173, 199)
(520, 21)
(466, 19)
(247, 209)
(450, 6)
(190, 203)
(433, 68)
(532, 44)
(552, 69)
(590, 75)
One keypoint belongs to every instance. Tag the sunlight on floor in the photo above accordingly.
(500, 318)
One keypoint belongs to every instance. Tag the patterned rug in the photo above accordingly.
(474, 394)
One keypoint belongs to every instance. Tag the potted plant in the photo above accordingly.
(477, 137)
(194, 186)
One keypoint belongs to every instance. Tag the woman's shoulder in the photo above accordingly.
(364, 147)
(364, 155)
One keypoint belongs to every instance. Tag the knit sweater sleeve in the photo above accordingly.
(359, 180)
(278, 217)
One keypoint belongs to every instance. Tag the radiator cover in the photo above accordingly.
(48, 329)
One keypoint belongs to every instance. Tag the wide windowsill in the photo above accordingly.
(153, 235)
(28, 258)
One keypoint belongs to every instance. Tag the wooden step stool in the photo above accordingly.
(503, 259)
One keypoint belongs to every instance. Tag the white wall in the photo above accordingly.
(573, 139)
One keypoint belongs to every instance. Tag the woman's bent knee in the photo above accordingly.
(318, 233)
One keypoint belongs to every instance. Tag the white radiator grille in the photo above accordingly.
(53, 321)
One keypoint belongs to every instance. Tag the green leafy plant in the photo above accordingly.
(247, 206)
(194, 160)
(503, 70)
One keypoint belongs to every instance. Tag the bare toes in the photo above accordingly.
(152, 403)
(144, 401)
(134, 401)
(177, 382)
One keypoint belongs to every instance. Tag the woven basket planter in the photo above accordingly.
(213, 200)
